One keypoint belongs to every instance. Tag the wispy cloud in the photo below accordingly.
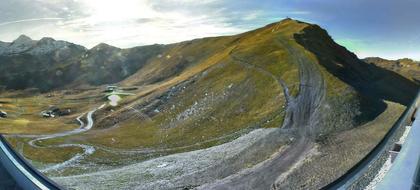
(122, 23)
(126, 23)
(29, 20)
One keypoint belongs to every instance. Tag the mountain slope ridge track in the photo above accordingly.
(302, 114)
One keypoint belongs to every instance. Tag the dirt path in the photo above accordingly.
(87, 149)
(302, 113)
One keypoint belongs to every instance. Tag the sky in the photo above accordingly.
(383, 28)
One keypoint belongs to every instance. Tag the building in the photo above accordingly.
(3, 114)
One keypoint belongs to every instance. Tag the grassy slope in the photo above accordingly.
(200, 93)
(225, 97)
(221, 97)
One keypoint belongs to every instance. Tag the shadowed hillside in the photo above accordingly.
(370, 85)
(367, 78)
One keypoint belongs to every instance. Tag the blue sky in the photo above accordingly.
(385, 28)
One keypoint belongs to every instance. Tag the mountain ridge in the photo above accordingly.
(4, 43)
(406, 67)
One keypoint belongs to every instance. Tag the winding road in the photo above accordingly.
(87, 149)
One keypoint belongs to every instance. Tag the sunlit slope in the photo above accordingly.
(203, 92)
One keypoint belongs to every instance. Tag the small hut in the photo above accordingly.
(3, 114)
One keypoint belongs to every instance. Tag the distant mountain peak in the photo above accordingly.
(377, 59)
(25, 45)
(21, 44)
(291, 20)
(408, 60)
(22, 38)
(47, 39)
(103, 46)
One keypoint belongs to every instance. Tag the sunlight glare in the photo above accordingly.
(121, 10)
